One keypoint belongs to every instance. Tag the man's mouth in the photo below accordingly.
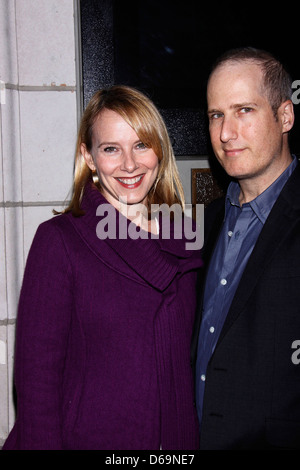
(233, 152)
(131, 183)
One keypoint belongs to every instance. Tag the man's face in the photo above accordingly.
(246, 136)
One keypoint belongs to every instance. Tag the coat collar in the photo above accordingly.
(152, 260)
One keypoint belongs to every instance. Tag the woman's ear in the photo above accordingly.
(287, 113)
(87, 157)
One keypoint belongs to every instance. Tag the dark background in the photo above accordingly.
(165, 48)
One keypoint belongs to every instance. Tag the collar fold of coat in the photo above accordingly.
(154, 260)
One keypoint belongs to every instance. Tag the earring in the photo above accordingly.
(95, 177)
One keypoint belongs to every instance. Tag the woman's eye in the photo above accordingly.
(110, 149)
(141, 145)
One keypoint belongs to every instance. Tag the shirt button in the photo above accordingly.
(212, 329)
(202, 378)
(223, 282)
(230, 233)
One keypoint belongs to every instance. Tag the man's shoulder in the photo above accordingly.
(216, 205)
(214, 210)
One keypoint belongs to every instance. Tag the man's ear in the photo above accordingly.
(287, 115)
(87, 157)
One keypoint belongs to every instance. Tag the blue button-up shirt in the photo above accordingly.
(241, 228)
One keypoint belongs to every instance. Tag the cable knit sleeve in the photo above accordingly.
(41, 339)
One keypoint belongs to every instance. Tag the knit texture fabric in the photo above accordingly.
(103, 339)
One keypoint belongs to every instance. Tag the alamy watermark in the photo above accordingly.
(296, 93)
(296, 354)
(167, 222)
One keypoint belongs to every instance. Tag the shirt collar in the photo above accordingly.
(263, 203)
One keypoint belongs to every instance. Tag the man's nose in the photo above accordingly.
(229, 129)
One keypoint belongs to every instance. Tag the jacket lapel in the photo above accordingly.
(281, 221)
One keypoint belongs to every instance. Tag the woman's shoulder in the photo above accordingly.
(55, 224)
(53, 233)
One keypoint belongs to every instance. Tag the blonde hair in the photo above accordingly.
(142, 115)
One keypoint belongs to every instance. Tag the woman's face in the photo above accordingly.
(126, 168)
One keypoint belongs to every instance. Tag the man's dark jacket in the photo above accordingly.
(252, 387)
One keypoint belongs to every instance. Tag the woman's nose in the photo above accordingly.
(129, 163)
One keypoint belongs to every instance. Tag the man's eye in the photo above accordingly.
(214, 116)
(246, 110)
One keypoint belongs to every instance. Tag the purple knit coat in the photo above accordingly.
(103, 340)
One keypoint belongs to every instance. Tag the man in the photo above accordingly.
(247, 381)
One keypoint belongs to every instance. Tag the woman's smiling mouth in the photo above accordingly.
(131, 183)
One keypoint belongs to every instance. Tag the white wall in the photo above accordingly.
(38, 127)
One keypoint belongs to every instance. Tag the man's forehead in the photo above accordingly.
(237, 81)
(233, 68)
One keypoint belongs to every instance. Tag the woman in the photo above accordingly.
(105, 320)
